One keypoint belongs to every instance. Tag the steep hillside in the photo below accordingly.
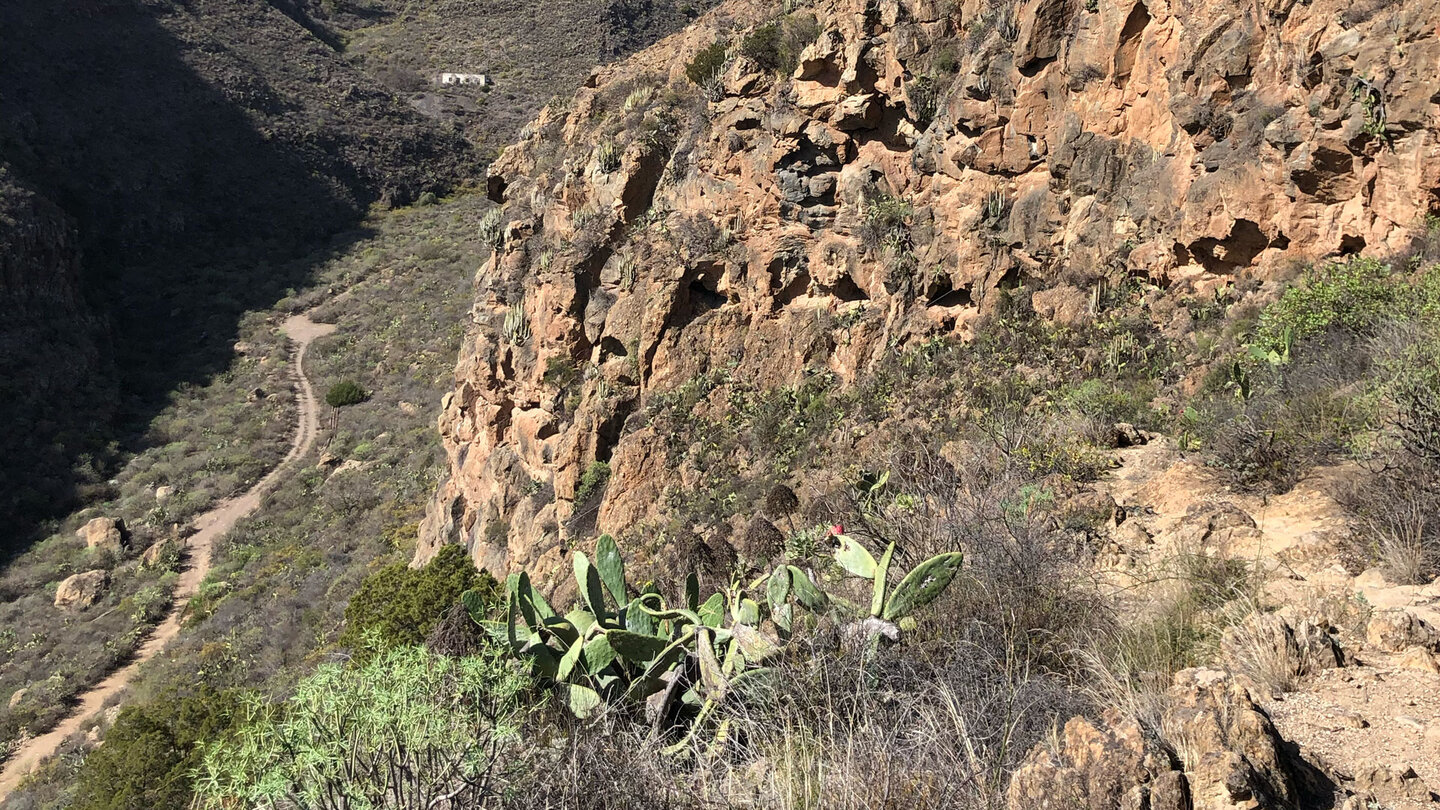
(50, 367)
(170, 136)
(531, 52)
(855, 179)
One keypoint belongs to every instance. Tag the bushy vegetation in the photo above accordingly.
(707, 64)
(776, 46)
(408, 729)
(592, 481)
(343, 393)
(152, 750)
(399, 605)
(1334, 369)
(1353, 296)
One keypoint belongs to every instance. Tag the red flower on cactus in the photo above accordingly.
(837, 529)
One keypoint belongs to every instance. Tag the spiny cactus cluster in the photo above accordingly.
(627, 644)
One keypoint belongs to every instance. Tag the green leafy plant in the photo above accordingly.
(762, 46)
(592, 481)
(409, 729)
(399, 605)
(345, 392)
(1353, 295)
(607, 156)
(707, 64)
(516, 327)
(150, 751)
(621, 643)
(626, 644)
(492, 228)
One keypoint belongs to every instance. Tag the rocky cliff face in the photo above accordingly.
(50, 366)
(919, 158)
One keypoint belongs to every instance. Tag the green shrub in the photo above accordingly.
(887, 223)
(776, 46)
(560, 372)
(762, 46)
(592, 481)
(149, 752)
(345, 392)
(409, 729)
(607, 156)
(1353, 295)
(400, 605)
(707, 64)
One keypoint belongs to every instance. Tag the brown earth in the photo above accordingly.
(1366, 722)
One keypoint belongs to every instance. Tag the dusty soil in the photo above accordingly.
(1374, 711)
(208, 528)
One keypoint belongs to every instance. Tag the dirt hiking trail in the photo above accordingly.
(209, 527)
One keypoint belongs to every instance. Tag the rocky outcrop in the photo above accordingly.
(1099, 767)
(104, 533)
(1220, 752)
(1395, 629)
(1269, 646)
(921, 159)
(82, 590)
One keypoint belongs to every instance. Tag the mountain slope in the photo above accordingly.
(859, 178)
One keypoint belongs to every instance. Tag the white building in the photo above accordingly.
(477, 79)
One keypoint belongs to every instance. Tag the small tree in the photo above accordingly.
(150, 751)
(345, 392)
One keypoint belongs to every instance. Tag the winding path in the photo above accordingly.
(209, 527)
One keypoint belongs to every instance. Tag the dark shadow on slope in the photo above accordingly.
(201, 150)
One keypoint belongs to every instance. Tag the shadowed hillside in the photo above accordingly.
(171, 137)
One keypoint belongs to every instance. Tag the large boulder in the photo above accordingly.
(1227, 755)
(159, 551)
(1234, 757)
(104, 533)
(1397, 629)
(1275, 650)
(1391, 784)
(82, 590)
(1099, 767)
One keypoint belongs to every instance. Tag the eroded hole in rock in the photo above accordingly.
(607, 435)
(495, 186)
(610, 346)
(1034, 66)
(1130, 43)
(941, 293)
(546, 430)
(798, 286)
(698, 299)
(1235, 251)
(847, 290)
(1350, 243)
(1182, 255)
